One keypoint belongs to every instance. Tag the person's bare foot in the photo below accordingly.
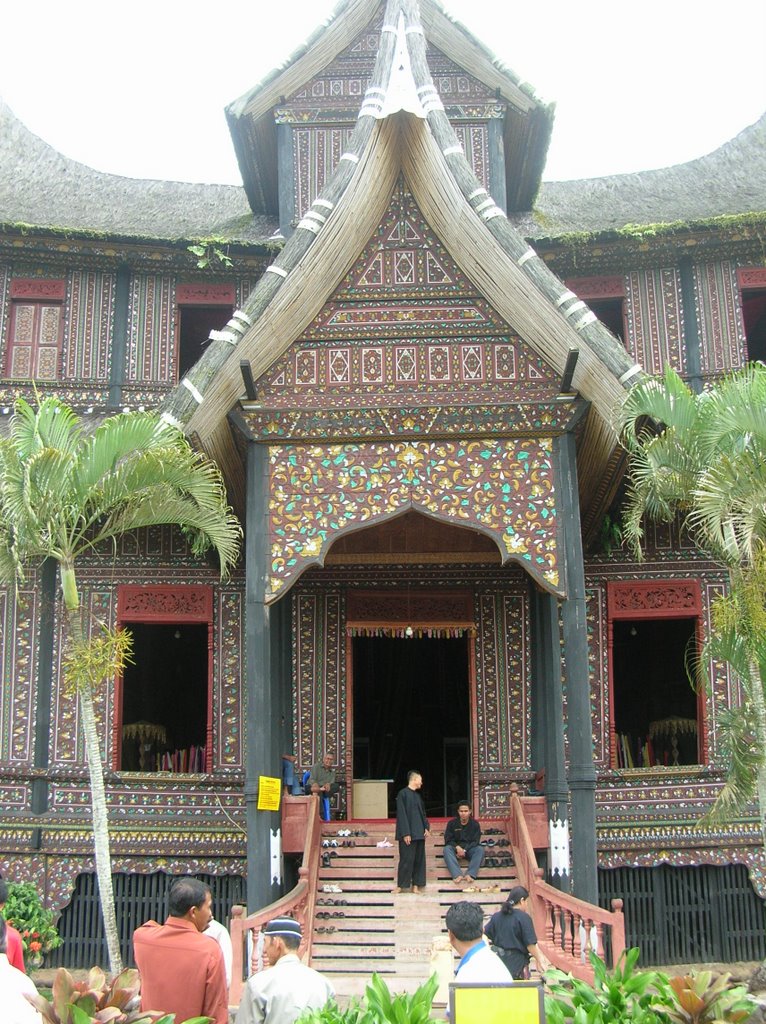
(459, 880)
(418, 889)
(396, 889)
(467, 880)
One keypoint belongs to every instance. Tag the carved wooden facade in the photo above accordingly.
(463, 439)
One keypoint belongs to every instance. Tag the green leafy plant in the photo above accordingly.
(209, 251)
(96, 1001)
(610, 534)
(705, 998)
(331, 1013)
(379, 1007)
(25, 911)
(616, 997)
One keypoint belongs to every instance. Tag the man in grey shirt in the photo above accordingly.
(280, 994)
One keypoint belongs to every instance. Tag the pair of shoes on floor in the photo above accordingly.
(384, 842)
(345, 832)
(330, 842)
(331, 888)
(325, 930)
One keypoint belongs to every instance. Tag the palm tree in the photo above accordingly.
(64, 493)
(703, 457)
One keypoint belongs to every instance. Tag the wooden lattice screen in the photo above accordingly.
(685, 915)
(139, 898)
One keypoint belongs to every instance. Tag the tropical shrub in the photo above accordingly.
(616, 997)
(25, 911)
(96, 1000)
(381, 1007)
(705, 998)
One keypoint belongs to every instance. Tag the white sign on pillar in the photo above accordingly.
(276, 856)
(559, 846)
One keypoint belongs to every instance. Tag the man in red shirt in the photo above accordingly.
(181, 969)
(14, 946)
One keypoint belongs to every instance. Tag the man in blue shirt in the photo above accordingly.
(465, 922)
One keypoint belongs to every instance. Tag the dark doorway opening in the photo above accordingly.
(754, 317)
(165, 698)
(194, 326)
(412, 711)
(611, 313)
(655, 707)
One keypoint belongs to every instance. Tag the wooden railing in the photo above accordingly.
(567, 928)
(298, 903)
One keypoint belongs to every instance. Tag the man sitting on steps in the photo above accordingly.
(462, 839)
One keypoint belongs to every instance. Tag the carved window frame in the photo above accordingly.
(165, 605)
(655, 599)
(40, 296)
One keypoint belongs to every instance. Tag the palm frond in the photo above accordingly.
(667, 401)
(214, 526)
(51, 425)
(117, 439)
(744, 758)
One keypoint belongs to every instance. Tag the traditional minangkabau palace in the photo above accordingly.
(404, 350)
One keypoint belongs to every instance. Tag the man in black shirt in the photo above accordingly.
(412, 827)
(462, 839)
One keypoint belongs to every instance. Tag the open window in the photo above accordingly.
(202, 308)
(606, 297)
(752, 282)
(164, 698)
(35, 329)
(656, 713)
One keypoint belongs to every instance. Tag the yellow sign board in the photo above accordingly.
(520, 1002)
(269, 793)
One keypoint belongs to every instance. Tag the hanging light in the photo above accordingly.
(177, 634)
(409, 632)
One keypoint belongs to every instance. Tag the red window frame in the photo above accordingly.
(654, 599)
(35, 297)
(165, 605)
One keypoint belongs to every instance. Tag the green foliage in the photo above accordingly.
(210, 251)
(88, 662)
(379, 1007)
(616, 997)
(25, 911)
(705, 998)
(610, 534)
(97, 1000)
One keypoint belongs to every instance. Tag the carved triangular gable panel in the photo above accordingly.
(406, 325)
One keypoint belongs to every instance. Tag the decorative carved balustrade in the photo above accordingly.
(298, 903)
(567, 928)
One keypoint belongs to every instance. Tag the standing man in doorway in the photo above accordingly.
(412, 827)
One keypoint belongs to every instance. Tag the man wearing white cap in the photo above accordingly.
(280, 994)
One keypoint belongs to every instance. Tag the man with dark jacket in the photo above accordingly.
(412, 827)
(462, 840)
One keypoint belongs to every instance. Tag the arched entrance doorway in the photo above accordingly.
(410, 664)
(412, 709)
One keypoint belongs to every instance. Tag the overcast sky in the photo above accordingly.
(139, 88)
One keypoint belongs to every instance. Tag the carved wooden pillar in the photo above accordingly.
(262, 753)
(582, 771)
(548, 724)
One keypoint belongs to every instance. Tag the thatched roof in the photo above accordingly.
(730, 180)
(39, 186)
(424, 148)
(527, 126)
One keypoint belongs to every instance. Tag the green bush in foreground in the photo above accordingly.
(379, 1007)
(644, 997)
(96, 1000)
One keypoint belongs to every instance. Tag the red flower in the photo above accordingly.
(35, 946)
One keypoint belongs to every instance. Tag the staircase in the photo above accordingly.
(366, 928)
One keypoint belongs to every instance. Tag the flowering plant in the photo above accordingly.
(25, 911)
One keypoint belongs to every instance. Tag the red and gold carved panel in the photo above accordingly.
(654, 599)
(145, 604)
